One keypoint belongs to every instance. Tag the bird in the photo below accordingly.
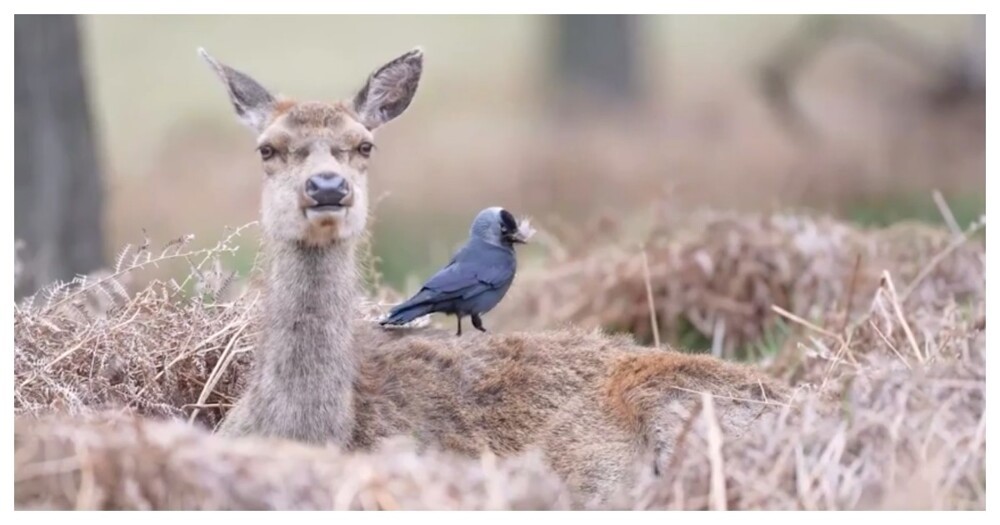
(477, 277)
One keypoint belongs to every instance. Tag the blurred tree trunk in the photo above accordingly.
(58, 195)
(972, 58)
(956, 76)
(596, 58)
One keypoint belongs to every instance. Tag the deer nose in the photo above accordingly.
(328, 189)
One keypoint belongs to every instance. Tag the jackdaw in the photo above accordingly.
(476, 278)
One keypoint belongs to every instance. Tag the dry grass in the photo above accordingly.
(115, 462)
(178, 349)
(94, 343)
(720, 274)
(887, 412)
(880, 435)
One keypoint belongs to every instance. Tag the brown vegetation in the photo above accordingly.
(888, 413)
(719, 275)
(882, 332)
(887, 432)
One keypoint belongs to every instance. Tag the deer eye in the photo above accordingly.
(365, 148)
(266, 151)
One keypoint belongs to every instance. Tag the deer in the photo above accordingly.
(595, 404)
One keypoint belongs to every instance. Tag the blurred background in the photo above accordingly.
(122, 133)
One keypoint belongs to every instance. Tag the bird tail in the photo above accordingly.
(406, 312)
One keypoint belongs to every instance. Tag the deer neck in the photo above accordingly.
(306, 361)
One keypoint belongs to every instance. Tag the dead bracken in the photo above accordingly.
(886, 412)
(717, 275)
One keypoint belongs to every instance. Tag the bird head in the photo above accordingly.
(497, 226)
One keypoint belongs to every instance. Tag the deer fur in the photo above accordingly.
(594, 404)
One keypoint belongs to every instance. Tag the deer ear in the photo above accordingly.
(252, 102)
(389, 89)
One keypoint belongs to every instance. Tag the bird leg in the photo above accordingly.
(459, 333)
(477, 322)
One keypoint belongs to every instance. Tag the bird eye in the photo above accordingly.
(266, 152)
(507, 221)
(365, 149)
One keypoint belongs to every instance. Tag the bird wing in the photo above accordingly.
(471, 272)
(466, 280)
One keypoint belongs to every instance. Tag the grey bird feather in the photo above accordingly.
(477, 277)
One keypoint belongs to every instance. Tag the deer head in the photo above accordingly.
(315, 154)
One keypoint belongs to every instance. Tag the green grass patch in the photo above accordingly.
(415, 247)
(771, 342)
(884, 210)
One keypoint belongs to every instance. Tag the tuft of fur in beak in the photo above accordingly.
(524, 231)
